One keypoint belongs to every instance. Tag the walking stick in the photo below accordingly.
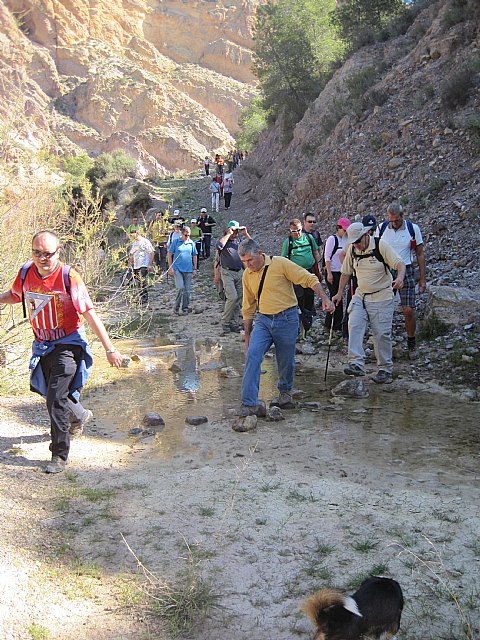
(328, 352)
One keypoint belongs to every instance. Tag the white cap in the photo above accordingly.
(176, 212)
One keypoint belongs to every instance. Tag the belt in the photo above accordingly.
(230, 269)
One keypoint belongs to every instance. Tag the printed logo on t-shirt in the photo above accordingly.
(43, 315)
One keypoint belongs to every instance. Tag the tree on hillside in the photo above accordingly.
(295, 44)
(360, 21)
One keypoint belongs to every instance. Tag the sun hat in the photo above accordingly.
(193, 220)
(356, 230)
(233, 224)
(369, 221)
(344, 223)
(203, 210)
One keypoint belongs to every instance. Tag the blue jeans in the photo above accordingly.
(183, 283)
(280, 330)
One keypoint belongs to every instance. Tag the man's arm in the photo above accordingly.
(422, 283)
(400, 269)
(247, 325)
(98, 328)
(327, 304)
(8, 298)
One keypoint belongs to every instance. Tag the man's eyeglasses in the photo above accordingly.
(295, 231)
(311, 221)
(43, 254)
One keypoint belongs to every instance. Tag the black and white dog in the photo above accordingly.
(373, 611)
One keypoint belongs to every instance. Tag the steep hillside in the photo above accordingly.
(387, 126)
(164, 80)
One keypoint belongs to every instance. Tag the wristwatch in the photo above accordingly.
(112, 350)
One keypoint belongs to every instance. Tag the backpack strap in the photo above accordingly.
(376, 253)
(290, 244)
(23, 274)
(260, 286)
(408, 223)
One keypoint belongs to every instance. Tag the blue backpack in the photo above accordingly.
(409, 224)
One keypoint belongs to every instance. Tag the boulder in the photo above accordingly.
(196, 420)
(245, 424)
(153, 419)
(453, 305)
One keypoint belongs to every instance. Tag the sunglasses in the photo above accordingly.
(43, 254)
(311, 221)
(295, 231)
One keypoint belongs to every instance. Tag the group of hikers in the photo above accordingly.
(273, 295)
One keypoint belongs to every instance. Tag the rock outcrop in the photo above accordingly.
(165, 81)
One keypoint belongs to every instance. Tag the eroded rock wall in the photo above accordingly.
(164, 80)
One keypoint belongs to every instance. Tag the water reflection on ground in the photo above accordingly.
(431, 436)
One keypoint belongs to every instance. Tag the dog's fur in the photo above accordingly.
(373, 611)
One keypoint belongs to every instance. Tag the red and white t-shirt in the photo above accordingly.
(53, 313)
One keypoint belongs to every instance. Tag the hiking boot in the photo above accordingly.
(225, 329)
(413, 354)
(284, 401)
(382, 377)
(353, 370)
(235, 328)
(259, 410)
(177, 312)
(77, 426)
(56, 465)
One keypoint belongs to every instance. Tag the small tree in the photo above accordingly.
(360, 21)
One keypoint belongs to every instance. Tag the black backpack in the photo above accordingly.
(335, 249)
(376, 253)
(290, 244)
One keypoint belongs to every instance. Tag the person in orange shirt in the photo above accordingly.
(58, 304)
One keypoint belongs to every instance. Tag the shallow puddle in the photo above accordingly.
(430, 437)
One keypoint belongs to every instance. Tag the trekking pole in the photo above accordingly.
(328, 352)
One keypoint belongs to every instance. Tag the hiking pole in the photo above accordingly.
(328, 352)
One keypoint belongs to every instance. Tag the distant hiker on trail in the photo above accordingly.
(206, 224)
(227, 188)
(406, 238)
(332, 251)
(58, 303)
(302, 249)
(215, 194)
(268, 296)
(158, 231)
(182, 264)
(206, 164)
(133, 226)
(196, 234)
(230, 272)
(141, 258)
(369, 258)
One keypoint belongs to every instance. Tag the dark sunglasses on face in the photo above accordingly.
(295, 231)
(311, 221)
(43, 254)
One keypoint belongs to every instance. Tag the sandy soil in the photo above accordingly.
(386, 484)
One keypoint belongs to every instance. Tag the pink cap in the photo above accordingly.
(344, 223)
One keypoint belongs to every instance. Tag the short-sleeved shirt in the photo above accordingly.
(206, 224)
(182, 251)
(335, 262)
(400, 240)
(195, 233)
(141, 250)
(373, 278)
(53, 313)
(302, 251)
(228, 254)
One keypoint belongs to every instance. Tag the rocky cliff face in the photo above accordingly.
(165, 80)
(353, 154)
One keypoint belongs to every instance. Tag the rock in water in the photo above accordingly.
(353, 388)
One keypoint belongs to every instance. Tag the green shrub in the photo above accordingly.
(456, 89)
(472, 125)
(252, 122)
(432, 328)
(109, 170)
(458, 12)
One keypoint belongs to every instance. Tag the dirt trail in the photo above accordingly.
(387, 484)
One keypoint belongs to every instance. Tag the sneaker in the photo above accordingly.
(353, 370)
(177, 312)
(56, 465)
(259, 410)
(187, 310)
(77, 426)
(382, 377)
(413, 354)
(235, 328)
